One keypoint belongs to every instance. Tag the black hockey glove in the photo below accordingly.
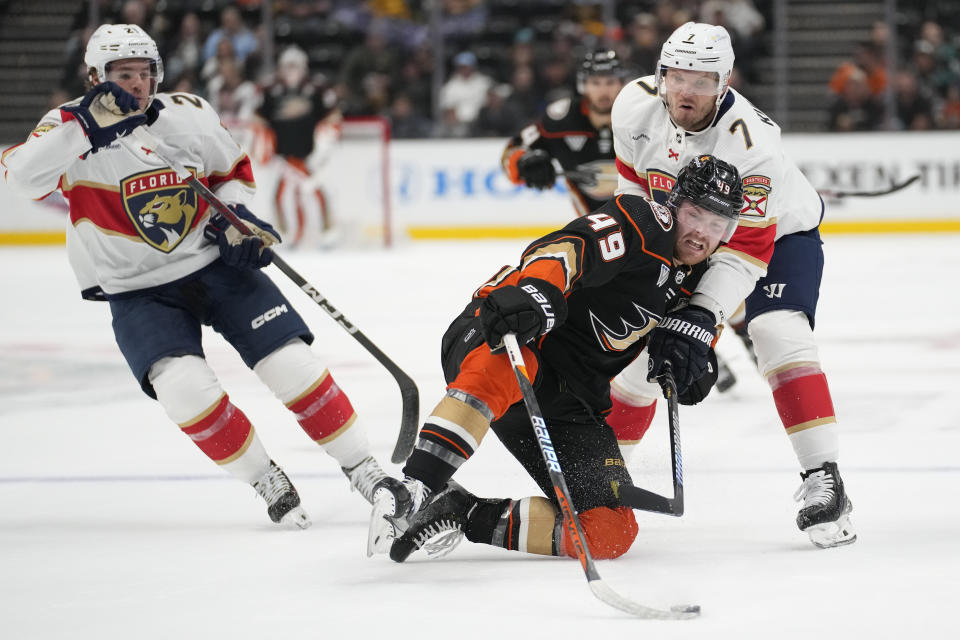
(536, 169)
(102, 113)
(684, 339)
(528, 310)
(701, 387)
(238, 250)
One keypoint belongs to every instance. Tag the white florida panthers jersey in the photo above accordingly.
(135, 225)
(777, 197)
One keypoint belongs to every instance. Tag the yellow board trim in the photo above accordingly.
(32, 237)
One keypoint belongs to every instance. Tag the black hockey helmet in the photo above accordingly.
(601, 62)
(713, 184)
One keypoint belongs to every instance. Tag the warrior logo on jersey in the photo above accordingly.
(756, 193)
(161, 207)
(659, 184)
(632, 330)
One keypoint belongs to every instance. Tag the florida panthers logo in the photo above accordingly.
(756, 193)
(161, 207)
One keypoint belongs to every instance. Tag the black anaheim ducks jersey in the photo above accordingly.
(616, 269)
(566, 133)
(293, 113)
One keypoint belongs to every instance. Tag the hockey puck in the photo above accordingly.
(686, 608)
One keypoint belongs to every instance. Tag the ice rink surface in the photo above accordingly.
(113, 525)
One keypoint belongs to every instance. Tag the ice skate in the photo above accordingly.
(283, 501)
(365, 476)
(393, 502)
(437, 527)
(825, 514)
(725, 376)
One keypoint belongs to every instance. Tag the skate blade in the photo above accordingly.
(296, 518)
(382, 529)
(832, 534)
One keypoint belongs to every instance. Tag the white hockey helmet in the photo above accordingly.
(697, 46)
(112, 42)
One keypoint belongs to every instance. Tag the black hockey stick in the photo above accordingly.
(637, 498)
(410, 396)
(895, 186)
(599, 588)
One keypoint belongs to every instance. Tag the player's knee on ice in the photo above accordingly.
(609, 532)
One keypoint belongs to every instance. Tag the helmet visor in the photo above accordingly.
(686, 82)
(713, 227)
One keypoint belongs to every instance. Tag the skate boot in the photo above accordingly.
(725, 377)
(438, 526)
(283, 501)
(366, 476)
(825, 514)
(393, 502)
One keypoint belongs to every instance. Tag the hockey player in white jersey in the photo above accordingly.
(774, 261)
(140, 239)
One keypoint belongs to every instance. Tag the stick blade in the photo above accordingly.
(679, 612)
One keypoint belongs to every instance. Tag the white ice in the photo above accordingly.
(113, 525)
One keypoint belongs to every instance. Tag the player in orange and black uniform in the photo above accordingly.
(583, 300)
(577, 134)
(304, 119)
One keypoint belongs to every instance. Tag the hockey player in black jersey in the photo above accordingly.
(576, 133)
(584, 301)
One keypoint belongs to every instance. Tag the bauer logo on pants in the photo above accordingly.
(161, 207)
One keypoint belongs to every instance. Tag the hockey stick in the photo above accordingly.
(895, 186)
(599, 588)
(410, 396)
(637, 498)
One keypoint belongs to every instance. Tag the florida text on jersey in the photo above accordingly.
(133, 223)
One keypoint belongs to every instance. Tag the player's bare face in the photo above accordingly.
(691, 97)
(600, 92)
(699, 232)
(135, 76)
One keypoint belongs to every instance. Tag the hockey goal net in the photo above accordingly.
(344, 202)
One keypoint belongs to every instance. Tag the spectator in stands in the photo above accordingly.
(856, 109)
(525, 98)
(950, 111)
(914, 107)
(464, 94)
(498, 117)
(233, 96)
(945, 61)
(224, 54)
(744, 23)
(372, 56)
(644, 45)
(232, 28)
(867, 58)
(405, 121)
(461, 19)
(184, 57)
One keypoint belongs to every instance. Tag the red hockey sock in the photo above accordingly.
(630, 422)
(802, 397)
(223, 433)
(324, 411)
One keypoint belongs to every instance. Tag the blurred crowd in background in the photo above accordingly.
(504, 60)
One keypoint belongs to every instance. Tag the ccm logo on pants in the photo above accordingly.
(264, 318)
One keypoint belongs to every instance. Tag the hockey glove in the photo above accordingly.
(536, 169)
(238, 250)
(528, 310)
(701, 387)
(103, 114)
(684, 339)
